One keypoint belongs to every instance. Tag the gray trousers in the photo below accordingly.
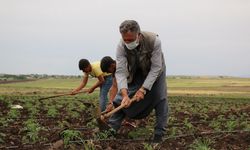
(156, 99)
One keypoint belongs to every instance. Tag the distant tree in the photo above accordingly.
(21, 77)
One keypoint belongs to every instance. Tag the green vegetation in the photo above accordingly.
(2, 135)
(147, 146)
(69, 135)
(140, 133)
(14, 113)
(216, 86)
(202, 144)
(106, 134)
(48, 83)
(89, 145)
(52, 111)
(32, 129)
(203, 86)
(197, 105)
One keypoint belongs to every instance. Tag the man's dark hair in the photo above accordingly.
(106, 63)
(83, 63)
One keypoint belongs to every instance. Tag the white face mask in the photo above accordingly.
(132, 45)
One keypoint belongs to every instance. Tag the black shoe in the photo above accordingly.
(157, 138)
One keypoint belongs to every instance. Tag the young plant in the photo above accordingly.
(142, 132)
(202, 144)
(80, 106)
(32, 130)
(106, 134)
(14, 113)
(69, 135)
(71, 110)
(89, 145)
(74, 114)
(63, 124)
(216, 125)
(3, 122)
(52, 112)
(173, 131)
(92, 124)
(147, 146)
(231, 125)
(245, 125)
(188, 125)
(2, 135)
(31, 108)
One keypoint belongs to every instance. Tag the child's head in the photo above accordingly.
(84, 65)
(108, 65)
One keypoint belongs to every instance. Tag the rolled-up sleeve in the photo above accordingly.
(121, 67)
(156, 65)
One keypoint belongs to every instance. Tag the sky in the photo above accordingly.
(199, 37)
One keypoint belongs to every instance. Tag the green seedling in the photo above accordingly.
(2, 135)
(147, 146)
(106, 134)
(139, 133)
(173, 131)
(188, 125)
(63, 124)
(92, 124)
(33, 110)
(32, 130)
(69, 135)
(14, 113)
(3, 122)
(231, 125)
(52, 112)
(216, 125)
(202, 144)
(89, 145)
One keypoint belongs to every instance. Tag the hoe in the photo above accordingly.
(59, 95)
(104, 115)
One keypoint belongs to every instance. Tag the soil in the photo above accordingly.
(13, 133)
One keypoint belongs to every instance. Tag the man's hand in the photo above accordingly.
(140, 94)
(109, 107)
(74, 92)
(126, 101)
(90, 90)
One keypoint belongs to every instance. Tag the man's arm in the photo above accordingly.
(155, 70)
(121, 69)
(112, 93)
(121, 74)
(82, 84)
(97, 84)
(113, 90)
(156, 65)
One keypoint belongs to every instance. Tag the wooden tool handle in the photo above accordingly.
(65, 94)
(117, 109)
